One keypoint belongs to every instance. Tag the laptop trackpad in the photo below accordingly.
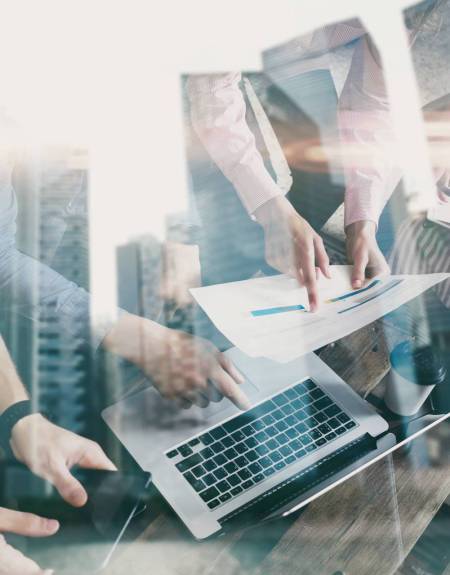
(216, 407)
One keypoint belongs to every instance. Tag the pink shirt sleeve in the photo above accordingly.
(218, 117)
(366, 137)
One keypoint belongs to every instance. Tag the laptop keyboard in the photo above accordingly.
(240, 453)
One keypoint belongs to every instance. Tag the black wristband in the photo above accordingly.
(10, 417)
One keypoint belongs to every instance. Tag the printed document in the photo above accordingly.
(269, 316)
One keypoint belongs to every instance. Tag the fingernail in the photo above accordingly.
(357, 284)
(51, 525)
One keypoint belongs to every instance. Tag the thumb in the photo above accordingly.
(68, 487)
(26, 524)
(360, 261)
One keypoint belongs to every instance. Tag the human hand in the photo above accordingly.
(179, 364)
(364, 253)
(12, 561)
(292, 246)
(51, 451)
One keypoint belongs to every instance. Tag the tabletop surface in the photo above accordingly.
(366, 525)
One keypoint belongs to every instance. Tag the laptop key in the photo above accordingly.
(218, 433)
(268, 472)
(258, 478)
(278, 414)
(290, 459)
(236, 490)
(199, 471)
(209, 494)
(206, 453)
(261, 437)
(271, 431)
(324, 428)
(214, 503)
(244, 474)
(292, 433)
(340, 430)
(198, 485)
(227, 441)
(268, 419)
(234, 480)
(343, 417)
(301, 428)
(194, 442)
(230, 453)
(280, 465)
(223, 486)
(290, 394)
(332, 410)
(255, 467)
(251, 455)
(305, 439)
(323, 403)
(350, 424)
(315, 434)
(217, 447)
(220, 473)
(333, 423)
(241, 447)
(225, 497)
(172, 453)
(209, 479)
(311, 447)
(209, 465)
(241, 461)
(248, 430)
(330, 436)
(280, 399)
(311, 422)
(272, 444)
(185, 450)
(321, 417)
(321, 441)
(247, 484)
(220, 459)
(265, 462)
(282, 438)
(206, 439)
(287, 409)
(281, 426)
(297, 404)
(190, 462)
(238, 436)
(300, 453)
(291, 420)
(261, 450)
(258, 425)
(285, 450)
(276, 456)
(317, 393)
(251, 442)
(295, 445)
(231, 467)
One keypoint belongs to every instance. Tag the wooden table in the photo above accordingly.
(367, 525)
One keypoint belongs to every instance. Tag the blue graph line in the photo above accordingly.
(273, 310)
(386, 288)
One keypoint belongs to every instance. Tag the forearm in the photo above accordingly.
(218, 117)
(11, 388)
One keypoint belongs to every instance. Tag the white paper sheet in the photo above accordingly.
(264, 316)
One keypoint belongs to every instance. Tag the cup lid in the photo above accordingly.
(420, 365)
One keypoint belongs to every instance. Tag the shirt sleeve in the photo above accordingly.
(371, 169)
(218, 117)
(32, 288)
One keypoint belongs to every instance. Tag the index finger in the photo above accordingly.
(229, 388)
(26, 523)
(304, 259)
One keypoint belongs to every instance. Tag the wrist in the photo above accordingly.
(129, 336)
(272, 209)
(361, 227)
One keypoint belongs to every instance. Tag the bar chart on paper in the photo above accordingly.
(270, 316)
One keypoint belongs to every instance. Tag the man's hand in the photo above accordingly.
(364, 253)
(292, 246)
(13, 562)
(179, 364)
(51, 451)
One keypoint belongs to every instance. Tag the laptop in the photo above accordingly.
(218, 467)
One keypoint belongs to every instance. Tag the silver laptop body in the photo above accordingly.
(150, 429)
